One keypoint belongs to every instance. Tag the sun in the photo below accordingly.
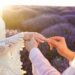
(3, 5)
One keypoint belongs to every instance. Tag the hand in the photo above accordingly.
(60, 44)
(38, 37)
(31, 44)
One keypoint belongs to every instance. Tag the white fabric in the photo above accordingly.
(2, 29)
(69, 71)
(10, 54)
(10, 63)
(72, 63)
(41, 66)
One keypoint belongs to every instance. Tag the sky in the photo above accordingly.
(38, 2)
(4, 3)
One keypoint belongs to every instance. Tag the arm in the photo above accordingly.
(41, 63)
(17, 41)
(60, 44)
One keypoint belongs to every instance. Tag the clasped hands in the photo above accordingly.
(33, 39)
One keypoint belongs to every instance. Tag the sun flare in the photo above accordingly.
(4, 3)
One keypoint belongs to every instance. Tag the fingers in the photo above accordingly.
(52, 42)
(58, 38)
(39, 40)
(39, 37)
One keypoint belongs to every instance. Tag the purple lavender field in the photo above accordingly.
(49, 21)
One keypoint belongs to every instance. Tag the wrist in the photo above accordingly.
(69, 55)
(72, 63)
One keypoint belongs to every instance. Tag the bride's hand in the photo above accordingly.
(29, 45)
(38, 37)
(32, 40)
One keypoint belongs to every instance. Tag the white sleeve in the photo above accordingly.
(70, 70)
(72, 63)
(41, 64)
(15, 41)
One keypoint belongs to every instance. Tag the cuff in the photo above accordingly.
(72, 63)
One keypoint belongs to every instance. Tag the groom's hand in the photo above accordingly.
(60, 44)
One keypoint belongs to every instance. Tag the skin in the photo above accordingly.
(60, 44)
(57, 42)
(33, 39)
(38, 37)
